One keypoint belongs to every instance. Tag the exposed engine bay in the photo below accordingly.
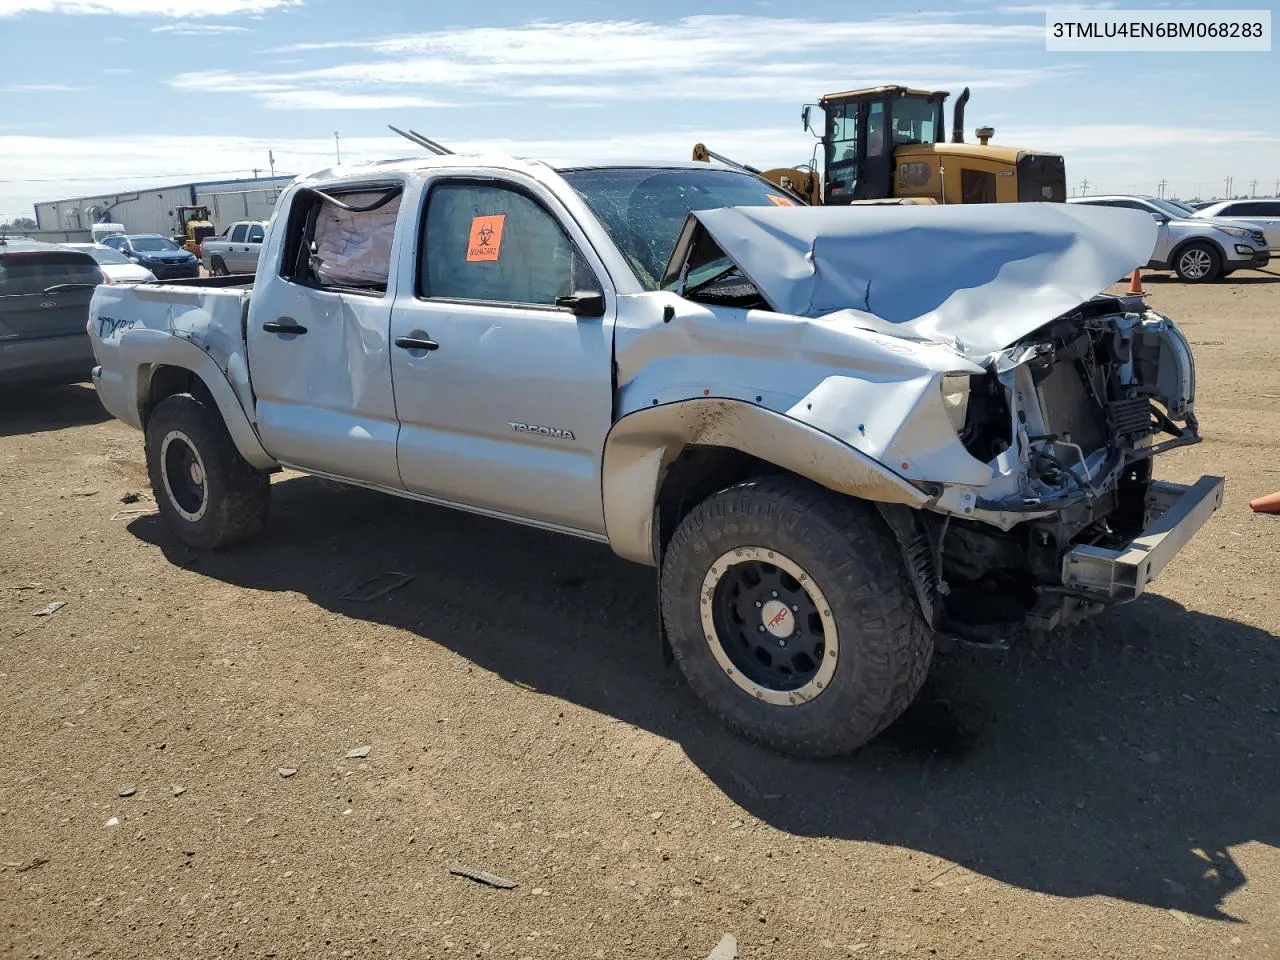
(1069, 417)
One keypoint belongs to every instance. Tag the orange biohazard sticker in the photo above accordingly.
(485, 242)
(780, 201)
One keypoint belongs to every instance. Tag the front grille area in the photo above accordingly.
(1130, 418)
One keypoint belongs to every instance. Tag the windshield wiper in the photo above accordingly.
(718, 275)
(59, 287)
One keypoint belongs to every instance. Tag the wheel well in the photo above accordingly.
(166, 381)
(697, 473)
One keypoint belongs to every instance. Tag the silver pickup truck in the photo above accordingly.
(235, 250)
(838, 435)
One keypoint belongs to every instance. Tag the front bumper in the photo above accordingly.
(1256, 261)
(1175, 512)
(176, 271)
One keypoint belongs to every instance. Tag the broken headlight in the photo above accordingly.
(955, 397)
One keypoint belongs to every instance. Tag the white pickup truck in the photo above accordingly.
(836, 434)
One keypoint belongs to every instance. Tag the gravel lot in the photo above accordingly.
(1111, 791)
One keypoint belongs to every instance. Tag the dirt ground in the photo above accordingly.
(1111, 791)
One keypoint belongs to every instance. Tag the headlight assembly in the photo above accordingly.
(955, 397)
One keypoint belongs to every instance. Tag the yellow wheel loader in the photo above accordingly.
(191, 226)
(888, 145)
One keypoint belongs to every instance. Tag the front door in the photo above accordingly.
(317, 339)
(504, 398)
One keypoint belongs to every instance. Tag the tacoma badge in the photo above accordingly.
(543, 431)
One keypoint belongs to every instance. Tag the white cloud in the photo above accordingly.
(722, 57)
(39, 88)
(198, 29)
(143, 8)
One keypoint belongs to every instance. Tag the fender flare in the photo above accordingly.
(641, 445)
(1186, 242)
(166, 350)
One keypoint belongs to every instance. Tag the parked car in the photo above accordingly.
(1262, 214)
(1197, 249)
(116, 267)
(235, 250)
(44, 313)
(157, 253)
(834, 433)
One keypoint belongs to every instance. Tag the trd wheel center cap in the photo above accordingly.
(778, 619)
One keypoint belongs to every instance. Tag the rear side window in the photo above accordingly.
(495, 244)
(237, 233)
(28, 273)
(342, 240)
(255, 233)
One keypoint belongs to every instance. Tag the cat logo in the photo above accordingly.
(555, 432)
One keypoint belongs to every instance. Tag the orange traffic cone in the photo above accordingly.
(1268, 504)
(1135, 283)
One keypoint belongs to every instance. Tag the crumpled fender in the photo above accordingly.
(164, 349)
(643, 444)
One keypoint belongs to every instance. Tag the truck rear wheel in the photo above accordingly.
(792, 618)
(210, 495)
(218, 267)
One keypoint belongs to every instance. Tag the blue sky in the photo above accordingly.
(110, 94)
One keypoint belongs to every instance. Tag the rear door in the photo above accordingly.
(236, 248)
(46, 294)
(317, 334)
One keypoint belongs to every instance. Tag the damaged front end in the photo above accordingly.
(1069, 419)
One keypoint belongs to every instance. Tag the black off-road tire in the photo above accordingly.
(1195, 256)
(233, 499)
(843, 545)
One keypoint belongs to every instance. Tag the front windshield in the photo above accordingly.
(643, 208)
(1171, 207)
(153, 243)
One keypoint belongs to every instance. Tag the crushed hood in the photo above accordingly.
(978, 276)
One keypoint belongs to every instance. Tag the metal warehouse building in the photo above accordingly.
(150, 210)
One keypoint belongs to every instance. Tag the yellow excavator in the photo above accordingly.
(888, 144)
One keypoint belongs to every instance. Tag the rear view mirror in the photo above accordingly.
(583, 303)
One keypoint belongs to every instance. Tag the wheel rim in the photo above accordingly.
(184, 474)
(769, 626)
(1195, 263)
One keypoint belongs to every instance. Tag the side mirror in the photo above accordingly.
(804, 116)
(583, 303)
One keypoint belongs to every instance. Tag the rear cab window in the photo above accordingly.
(492, 243)
(341, 239)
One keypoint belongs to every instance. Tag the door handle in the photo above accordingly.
(272, 327)
(414, 343)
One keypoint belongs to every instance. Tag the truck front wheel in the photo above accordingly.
(210, 495)
(792, 618)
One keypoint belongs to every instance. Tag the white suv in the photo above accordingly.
(1198, 249)
(1263, 214)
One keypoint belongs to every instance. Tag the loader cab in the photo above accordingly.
(862, 130)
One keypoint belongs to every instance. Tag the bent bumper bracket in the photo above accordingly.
(1174, 513)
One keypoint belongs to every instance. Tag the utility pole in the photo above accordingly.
(1253, 188)
(255, 172)
(1084, 187)
(1160, 187)
(1227, 194)
(336, 150)
(272, 161)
